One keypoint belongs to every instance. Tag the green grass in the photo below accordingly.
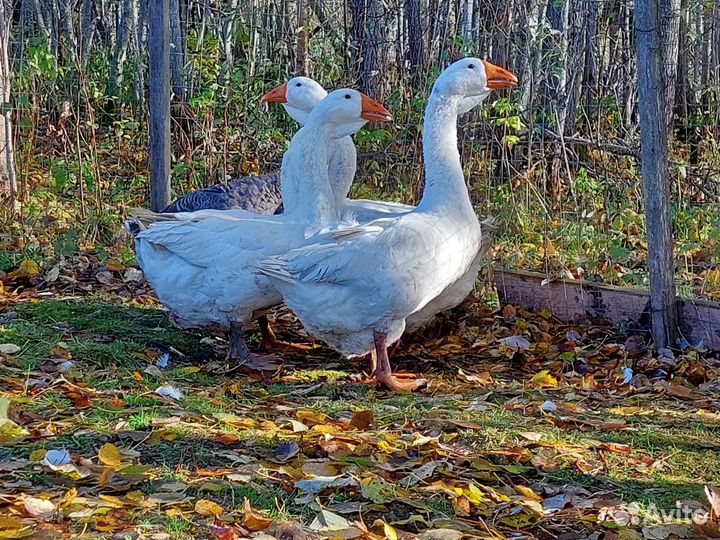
(681, 449)
(94, 331)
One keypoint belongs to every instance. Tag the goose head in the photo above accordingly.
(345, 111)
(472, 80)
(299, 95)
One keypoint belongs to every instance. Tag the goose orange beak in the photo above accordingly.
(276, 95)
(372, 110)
(498, 77)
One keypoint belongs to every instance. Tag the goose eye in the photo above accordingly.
(471, 66)
(298, 85)
(347, 96)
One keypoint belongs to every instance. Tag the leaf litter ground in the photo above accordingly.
(113, 424)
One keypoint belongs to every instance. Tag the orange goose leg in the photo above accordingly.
(269, 342)
(382, 372)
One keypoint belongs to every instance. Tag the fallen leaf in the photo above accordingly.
(516, 342)
(317, 484)
(418, 475)
(169, 392)
(327, 521)
(133, 274)
(41, 508)
(208, 508)
(440, 534)
(390, 532)
(9, 348)
(543, 379)
(362, 420)
(104, 277)
(222, 531)
(287, 451)
(9, 430)
(252, 521)
(713, 497)
(28, 269)
(109, 455)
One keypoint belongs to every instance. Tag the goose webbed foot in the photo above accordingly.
(382, 372)
(269, 342)
(239, 356)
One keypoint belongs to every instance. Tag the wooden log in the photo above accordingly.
(574, 300)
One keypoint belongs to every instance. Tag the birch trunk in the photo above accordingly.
(8, 178)
(123, 33)
(177, 51)
(669, 13)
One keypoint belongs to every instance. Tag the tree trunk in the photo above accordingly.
(159, 50)
(529, 61)
(715, 77)
(654, 153)
(228, 39)
(465, 18)
(178, 51)
(669, 13)
(123, 34)
(8, 178)
(301, 48)
(415, 49)
(370, 46)
(135, 31)
(72, 46)
(87, 31)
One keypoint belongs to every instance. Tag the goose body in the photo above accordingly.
(256, 194)
(356, 289)
(201, 264)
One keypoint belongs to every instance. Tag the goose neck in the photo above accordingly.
(305, 185)
(444, 179)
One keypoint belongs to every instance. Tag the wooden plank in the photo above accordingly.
(573, 300)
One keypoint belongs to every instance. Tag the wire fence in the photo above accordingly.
(555, 160)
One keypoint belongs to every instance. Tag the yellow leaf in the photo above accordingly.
(109, 455)
(543, 380)
(252, 521)
(115, 265)
(528, 493)
(208, 508)
(10, 431)
(307, 416)
(27, 269)
(7, 523)
(37, 455)
(189, 369)
(390, 532)
(113, 502)
(68, 498)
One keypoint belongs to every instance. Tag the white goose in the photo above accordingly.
(201, 263)
(299, 95)
(357, 291)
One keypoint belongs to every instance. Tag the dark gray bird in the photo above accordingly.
(257, 194)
